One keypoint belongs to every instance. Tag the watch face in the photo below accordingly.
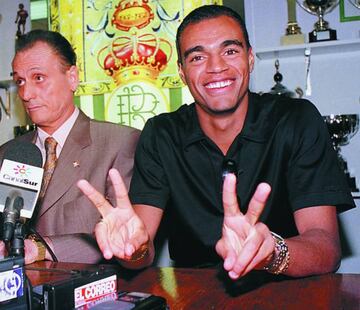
(41, 251)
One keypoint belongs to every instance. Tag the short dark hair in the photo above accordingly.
(208, 12)
(60, 45)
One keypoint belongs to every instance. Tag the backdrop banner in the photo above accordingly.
(126, 55)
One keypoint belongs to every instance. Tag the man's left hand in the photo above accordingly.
(245, 244)
(31, 251)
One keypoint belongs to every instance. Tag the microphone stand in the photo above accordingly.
(16, 260)
(17, 243)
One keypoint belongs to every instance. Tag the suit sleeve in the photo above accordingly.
(82, 247)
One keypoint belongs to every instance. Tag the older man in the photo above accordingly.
(44, 69)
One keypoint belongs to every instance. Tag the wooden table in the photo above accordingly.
(212, 289)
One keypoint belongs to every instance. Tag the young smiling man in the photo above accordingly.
(276, 210)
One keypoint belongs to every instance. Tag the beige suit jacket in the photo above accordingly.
(65, 215)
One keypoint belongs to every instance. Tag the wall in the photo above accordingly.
(335, 72)
(8, 10)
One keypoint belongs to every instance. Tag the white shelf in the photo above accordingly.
(318, 48)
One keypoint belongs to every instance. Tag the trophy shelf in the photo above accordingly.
(317, 48)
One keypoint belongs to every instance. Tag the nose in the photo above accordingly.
(216, 64)
(26, 92)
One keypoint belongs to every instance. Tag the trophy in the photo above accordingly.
(341, 129)
(279, 88)
(321, 31)
(293, 31)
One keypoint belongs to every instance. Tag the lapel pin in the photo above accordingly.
(76, 164)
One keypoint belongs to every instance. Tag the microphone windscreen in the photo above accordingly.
(23, 152)
(229, 166)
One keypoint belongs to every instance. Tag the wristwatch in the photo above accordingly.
(40, 246)
(281, 256)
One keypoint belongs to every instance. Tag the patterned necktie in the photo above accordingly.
(50, 163)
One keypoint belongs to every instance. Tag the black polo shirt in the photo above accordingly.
(284, 142)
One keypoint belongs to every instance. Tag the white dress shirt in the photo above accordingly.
(60, 135)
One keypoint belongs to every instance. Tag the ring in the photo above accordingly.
(140, 253)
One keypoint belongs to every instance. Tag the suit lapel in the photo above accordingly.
(67, 172)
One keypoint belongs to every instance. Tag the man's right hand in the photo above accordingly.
(120, 233)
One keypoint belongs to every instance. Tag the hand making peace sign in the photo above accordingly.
(120, 233)
(245, 243)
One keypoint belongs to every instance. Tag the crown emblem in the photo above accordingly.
(132, 13)
(135, 57)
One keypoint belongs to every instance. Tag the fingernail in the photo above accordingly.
(233, 275)
(228, 263)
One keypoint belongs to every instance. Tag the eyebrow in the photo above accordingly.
(232, 42)
(197, 48)
(200, 48)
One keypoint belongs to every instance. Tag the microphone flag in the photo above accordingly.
(19, 179)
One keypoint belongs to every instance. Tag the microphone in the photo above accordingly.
(11, 215)
(229, 166)
(23, 152)
(20, 183)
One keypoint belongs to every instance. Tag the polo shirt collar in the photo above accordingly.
(193, 131)
(257, 128)
(259, 121)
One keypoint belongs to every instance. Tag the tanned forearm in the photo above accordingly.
(313, 252)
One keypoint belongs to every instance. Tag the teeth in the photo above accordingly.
(219, 84)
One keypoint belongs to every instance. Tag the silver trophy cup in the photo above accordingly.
(341, 129)
(321, 31)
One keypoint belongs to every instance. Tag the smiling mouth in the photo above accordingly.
(219, 84)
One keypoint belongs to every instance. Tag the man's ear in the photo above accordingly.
(73, 76)
(181, 72)
(251, 59)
